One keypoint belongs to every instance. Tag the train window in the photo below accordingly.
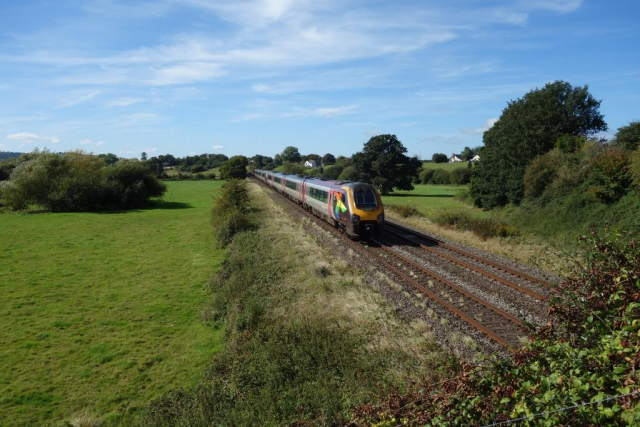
(292, 185)
(365, 198)
(278, 180)
(319, 195)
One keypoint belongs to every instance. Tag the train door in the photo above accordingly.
(340, 209)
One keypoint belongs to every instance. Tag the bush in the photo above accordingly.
(293, 168)
(440, 158)
(460, 176)
(230, 212)
(80, 182)
(426, 175)
(332, 172)
(404, 211)
(634, 168)
(440, 176)
(482, 227)
(234, 168)
(348, 174)
(610, 174)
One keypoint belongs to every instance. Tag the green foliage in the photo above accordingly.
(482, 227)
(231, 212)
(332, 172)
(348, 174)
(628, 137)
(440, 158)
(110, 159)
(405, 211)
(529, 127)
(234, 168)
(384, 164)
(588, 354)
(302, 371)
(570, 143)
(328, 159)
(79, 182)
(610, 175)
(634, 167)
(440, 176)
(426, 175)
(460, 176)
(293, 168)
(291, 155)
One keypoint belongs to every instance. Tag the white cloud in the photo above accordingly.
(99, 143)
(122, 102)
(79, 99)
(488, 124)
(186, 73)
(560, 6)
(85, 141)
(218, 147)
(32, 137)
(150, 150)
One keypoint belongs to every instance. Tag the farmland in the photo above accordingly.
(428, 199)
(101, 312)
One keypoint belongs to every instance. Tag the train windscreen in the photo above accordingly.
(365, 198)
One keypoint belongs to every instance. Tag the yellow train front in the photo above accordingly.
(365, 211)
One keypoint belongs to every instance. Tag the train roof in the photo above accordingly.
(318, 181)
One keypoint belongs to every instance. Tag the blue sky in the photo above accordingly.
(249, 77)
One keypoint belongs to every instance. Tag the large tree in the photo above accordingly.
(291, 155)
(234, 168)
(527, 128)
(440, 158)
(328, 159)
(384, 164)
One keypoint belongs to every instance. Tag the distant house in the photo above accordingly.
(455, 158)
(475, 158)
(310, 164)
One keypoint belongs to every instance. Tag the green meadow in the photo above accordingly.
(101, 312)
(429, 199)
(446, 166)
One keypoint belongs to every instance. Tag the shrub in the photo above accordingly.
(440, 176)
(404, 211)
(482, 227)
(230, 212)
(426, 175)
(332, 172)
(460, 176)
(234, 168)
(80, 182)
(634, 167)
(293, 168)
(440, 158)
(348, 174)
(538, 176)
(464, 196)
(610, 175)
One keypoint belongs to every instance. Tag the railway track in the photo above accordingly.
(420, 241)
(430, 244)
(495, 323)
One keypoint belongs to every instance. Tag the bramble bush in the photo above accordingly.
(580, 369)
(482, 227)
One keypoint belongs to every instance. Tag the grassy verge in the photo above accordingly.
(102, 312)
(307, 341)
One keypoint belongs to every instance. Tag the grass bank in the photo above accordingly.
(101, 312)
(306, 340)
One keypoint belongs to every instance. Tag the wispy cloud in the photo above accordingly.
(79, 99)
(218, 147)
(122, 102)
(32, 137)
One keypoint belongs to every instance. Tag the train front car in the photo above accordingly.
(365, 208)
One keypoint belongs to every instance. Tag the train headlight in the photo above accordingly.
(355, 218)
(381, 217)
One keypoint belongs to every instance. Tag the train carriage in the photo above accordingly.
(353, 207)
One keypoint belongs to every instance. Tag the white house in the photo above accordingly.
(475, 158)
(310, 164)
(455, 158)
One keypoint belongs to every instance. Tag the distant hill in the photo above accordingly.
(8, 155)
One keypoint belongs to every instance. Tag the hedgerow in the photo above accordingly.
(580, 369)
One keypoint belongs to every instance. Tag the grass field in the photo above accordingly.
(174, 172)
(101, 312)
(446, 166)
(428, 199)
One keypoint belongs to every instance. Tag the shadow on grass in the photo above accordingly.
(419, 195)
(153, 205)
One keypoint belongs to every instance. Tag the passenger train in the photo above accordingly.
(354, 208)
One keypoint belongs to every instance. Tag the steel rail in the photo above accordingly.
(474, 268)
(478, 258)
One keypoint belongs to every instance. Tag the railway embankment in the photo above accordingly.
(307, 340)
